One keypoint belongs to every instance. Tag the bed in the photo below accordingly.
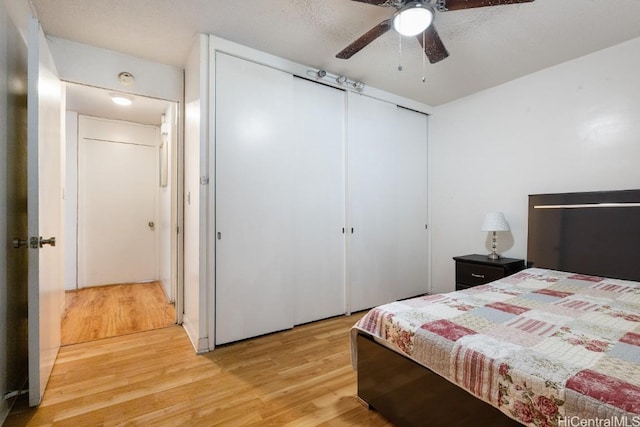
(555, 344)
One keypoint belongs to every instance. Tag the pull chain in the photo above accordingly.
(399, 52)
(424, 63)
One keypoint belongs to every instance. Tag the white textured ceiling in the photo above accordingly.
(487, 46)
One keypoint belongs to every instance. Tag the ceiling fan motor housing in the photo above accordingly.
(413, 18)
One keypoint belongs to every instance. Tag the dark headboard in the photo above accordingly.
(595, 233)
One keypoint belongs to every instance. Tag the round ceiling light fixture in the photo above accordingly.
(413, 18)
(121, 99)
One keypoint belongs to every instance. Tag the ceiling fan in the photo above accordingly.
(415, 18)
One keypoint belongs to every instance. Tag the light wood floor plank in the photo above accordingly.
(107, 311)
(299, 377)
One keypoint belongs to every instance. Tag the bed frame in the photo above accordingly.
(595, 233)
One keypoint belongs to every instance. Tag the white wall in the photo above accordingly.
(573, 127)
(166, 226)
(71, 201)
(196, 78)
(89, 65)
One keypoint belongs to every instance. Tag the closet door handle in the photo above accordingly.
(351, 230)
(219, 235)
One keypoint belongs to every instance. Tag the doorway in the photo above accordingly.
(121, 214)
(118, 202)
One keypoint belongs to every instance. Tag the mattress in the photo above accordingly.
(545, 347)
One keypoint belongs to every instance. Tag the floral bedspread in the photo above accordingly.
(547, 348)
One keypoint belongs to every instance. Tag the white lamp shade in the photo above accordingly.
(495, 221)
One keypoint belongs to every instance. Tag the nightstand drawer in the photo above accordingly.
(473, 270)
(476, 274)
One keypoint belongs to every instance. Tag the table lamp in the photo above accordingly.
(495, 221)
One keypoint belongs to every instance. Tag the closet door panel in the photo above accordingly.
(410, 203)
(387, 203)
(318, 259)
(254, 199)
(372, 275)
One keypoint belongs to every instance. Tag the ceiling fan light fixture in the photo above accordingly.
(413, 18)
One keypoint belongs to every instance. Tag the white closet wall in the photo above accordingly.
(255, 200)
(387, 174)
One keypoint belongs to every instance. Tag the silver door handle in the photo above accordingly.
(51, 241)
(33, 242)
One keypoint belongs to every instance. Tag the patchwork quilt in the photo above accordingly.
(547, 348)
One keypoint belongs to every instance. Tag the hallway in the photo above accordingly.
(109, 311)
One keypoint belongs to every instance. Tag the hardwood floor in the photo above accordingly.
(299, 377)
(108, 311)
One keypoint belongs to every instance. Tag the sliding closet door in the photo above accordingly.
(387, 174)
(410, 201)
(254, 199)
(318, 259)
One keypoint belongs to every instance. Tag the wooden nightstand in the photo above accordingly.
(474, 270)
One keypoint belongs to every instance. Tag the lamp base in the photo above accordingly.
(493, 255)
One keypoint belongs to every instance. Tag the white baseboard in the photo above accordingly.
(201, 345)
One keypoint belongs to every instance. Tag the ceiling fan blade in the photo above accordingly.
(469, 4)
(432, 45)
(365, 39)
(376, 2)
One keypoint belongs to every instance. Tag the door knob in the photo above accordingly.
(33, 242)
(151, 224)
(51, 241)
